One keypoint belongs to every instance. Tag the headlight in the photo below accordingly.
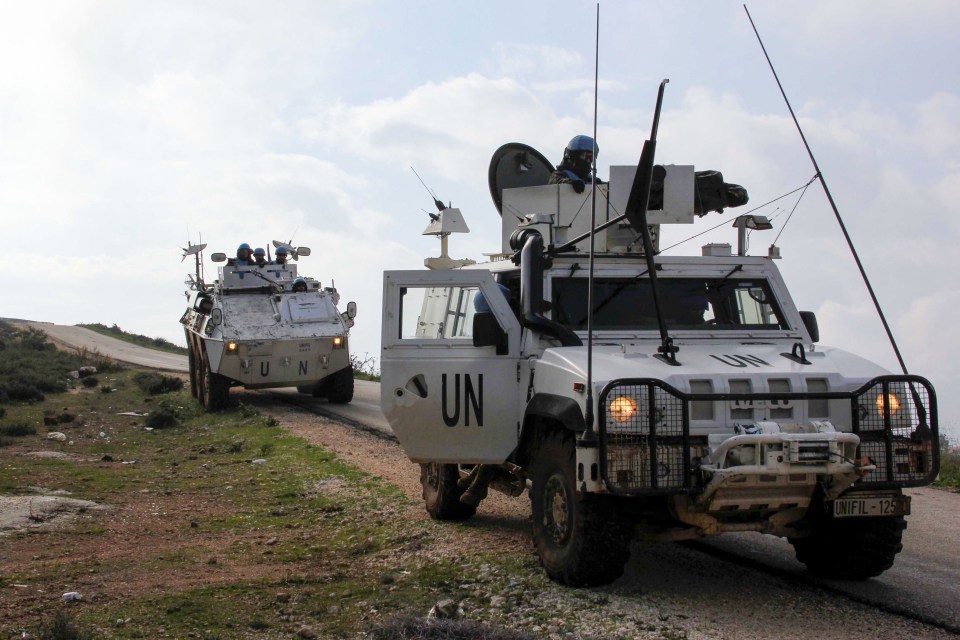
(623, 408)
(231, 347)
(893, 401)
(338, 342)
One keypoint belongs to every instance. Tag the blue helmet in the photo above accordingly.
(281, 251)
(259, 252)
(583, 143)
(243, 246)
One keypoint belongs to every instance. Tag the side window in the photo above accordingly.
(437, 313)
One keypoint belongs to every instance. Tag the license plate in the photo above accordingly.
(851, 507)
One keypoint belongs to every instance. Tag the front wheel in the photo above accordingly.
(339, 387)
(216, 389)
(581, 539)
(441, 495)
(850, 548)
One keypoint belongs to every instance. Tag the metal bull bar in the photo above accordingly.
(646, 447)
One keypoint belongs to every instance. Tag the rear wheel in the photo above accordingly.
(581, 538)
(192, 363)
(441, 495)
(339, 386)
(850, 548)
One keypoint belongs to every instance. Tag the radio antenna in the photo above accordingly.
(436, 200)
(589, 435)
(826, 190)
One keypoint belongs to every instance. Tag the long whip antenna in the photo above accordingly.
(588, 418)
(826, 190)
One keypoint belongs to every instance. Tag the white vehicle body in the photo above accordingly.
(251, 328)
(757, 429)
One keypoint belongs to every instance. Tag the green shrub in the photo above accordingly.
(157, 383)
(410, 627)
(23, 391)
(163, 417)
(16, 429)
(3, 412)
(62, 627)
(89, 381)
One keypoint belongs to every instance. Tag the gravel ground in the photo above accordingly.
(668, 590)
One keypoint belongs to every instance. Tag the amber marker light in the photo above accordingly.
(231, 347)
(894, 403)
(623, 408)
(338, 342)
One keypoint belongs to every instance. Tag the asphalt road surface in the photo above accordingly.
(924, 584)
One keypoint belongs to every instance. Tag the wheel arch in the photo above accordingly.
(545, 413)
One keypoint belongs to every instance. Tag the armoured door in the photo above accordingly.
(449, 357)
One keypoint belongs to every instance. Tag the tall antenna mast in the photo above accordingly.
(589, 435)
(826, 190)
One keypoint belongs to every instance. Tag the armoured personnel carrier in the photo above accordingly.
(264, 327)
(678, 397)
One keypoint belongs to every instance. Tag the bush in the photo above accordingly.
(3, 412)
(23, 392)
(62, 627)
(163, 417)
(89, 381)
(414, 628)
(16, 429)
(157, 383)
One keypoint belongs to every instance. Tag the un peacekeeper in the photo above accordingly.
(243, 258)
(281, 256)
(299, 285)
(260, 256)
(575, 168)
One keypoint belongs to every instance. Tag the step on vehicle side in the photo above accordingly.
(265, 327)
(742, 423)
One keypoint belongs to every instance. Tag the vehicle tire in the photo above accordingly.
(192, 365)
(850, 548)
(216, 389)
(339, 387)
(580, 538)
(441, 495)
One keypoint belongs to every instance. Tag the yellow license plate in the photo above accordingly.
(865, 506)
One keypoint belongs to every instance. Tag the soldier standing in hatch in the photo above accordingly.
(260, 256)
(281, 256)
(577, 161)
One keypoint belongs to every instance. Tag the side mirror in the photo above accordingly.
(351, 309)
(487, 333)
(303, 251)
(219, 257)
(216, 316)
(810, 322)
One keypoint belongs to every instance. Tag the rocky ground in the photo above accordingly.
(667, 590)
(156, 539)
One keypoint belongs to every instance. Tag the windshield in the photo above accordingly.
(626, 304)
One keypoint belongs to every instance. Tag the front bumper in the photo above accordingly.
(648, 450)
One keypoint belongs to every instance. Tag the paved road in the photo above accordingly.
(923, 584)
(81, 338)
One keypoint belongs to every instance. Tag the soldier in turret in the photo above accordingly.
(260, 256)
(244, 257)
(575, 168)
(281, 256)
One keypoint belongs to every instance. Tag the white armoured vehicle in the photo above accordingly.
(715, 409)
(265, 327)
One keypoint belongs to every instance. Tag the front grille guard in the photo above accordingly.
(645, 445)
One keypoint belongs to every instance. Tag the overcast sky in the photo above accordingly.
(127, 127)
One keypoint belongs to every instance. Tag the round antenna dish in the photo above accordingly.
(516, 165)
